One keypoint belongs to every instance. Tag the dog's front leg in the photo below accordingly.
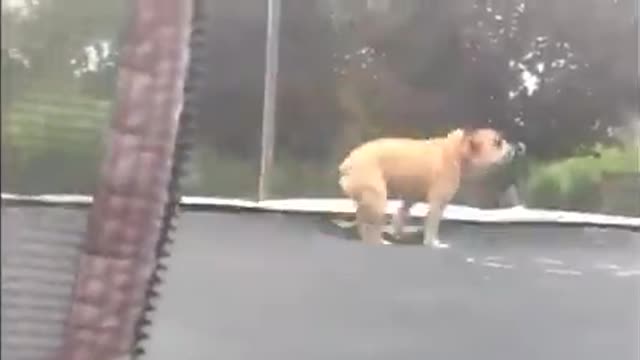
(512, 197)
(432, 225)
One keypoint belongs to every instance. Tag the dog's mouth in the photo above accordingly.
(507, 157)
(510, 154)
(518, 149)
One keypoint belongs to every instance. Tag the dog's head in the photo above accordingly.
(485, 148)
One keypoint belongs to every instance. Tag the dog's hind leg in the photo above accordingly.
(400, 217)
(370, 197)
(370, 214)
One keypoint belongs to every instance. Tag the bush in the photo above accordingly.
(574, 183)
(52, 144)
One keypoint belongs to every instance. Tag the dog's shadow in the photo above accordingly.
(346, 228)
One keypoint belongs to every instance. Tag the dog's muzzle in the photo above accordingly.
(515, 150)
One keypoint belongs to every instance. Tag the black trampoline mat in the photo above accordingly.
(291, 287)
(273, 286)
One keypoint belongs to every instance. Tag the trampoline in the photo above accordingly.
(119, 275)
(246, 281)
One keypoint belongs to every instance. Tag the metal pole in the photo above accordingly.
(269, 104)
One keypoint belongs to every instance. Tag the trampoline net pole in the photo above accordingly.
(134, 203)
(270, 96)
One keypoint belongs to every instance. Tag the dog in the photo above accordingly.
(417, 170)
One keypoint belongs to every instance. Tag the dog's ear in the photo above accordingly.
(468, 130)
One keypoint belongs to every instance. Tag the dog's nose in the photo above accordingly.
(521, 148)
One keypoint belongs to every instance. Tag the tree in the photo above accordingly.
(63, 44)
(553, 74)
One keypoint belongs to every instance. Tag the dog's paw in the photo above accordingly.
(397, 236)
(437, 244)
(386, 242)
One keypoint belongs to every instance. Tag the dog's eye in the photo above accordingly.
(497, 143)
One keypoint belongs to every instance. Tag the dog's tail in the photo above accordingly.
(344, 170)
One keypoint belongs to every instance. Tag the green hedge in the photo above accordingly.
(52, 143)
(574, 183)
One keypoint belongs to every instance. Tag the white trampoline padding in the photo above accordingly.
(337, 206)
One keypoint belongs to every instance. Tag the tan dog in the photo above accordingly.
(416, 170)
